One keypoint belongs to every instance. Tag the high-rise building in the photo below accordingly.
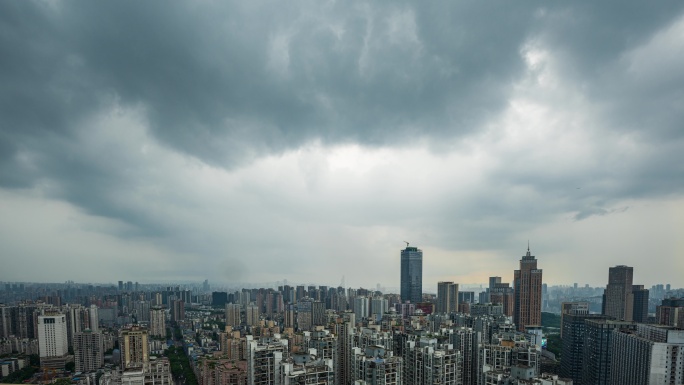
(361, 308)
(23, 320)
(134, 347)
(427, 362)
(618, 299)
(575, 308)
(158, 299)
(640, 304)
(5, 321)
(252, 315)
(52, 340)
(218, 298)
(527, 286)
(233, 314)
(75, 314)
(502, 293)
(232, 344)
(94, 318)
(573, 332)
(598, 356)
(264, 359)
(307, 368)
(447, 297)
(379, 307)
(344, 330)
(670, 312)
(318, 313)
(301, 292)
(305, 313)
(503, 357)
(375, 365)
(142, 311)
(466, 297)
(411, 274)
(652, 355)
(485, 296)
(157, 321)
(177, 310)
(289, 316)
(88, 351)
(466, 341)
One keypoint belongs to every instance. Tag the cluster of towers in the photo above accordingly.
(523, 301)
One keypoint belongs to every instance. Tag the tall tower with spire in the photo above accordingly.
(527, 286)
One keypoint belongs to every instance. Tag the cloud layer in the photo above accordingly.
(260, 141)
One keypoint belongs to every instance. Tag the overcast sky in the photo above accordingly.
(257, 141)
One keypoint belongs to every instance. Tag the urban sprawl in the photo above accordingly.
(508, 333)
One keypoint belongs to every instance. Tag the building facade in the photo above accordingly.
(427, 362)
(134, 346)
(640, 304)
(307, 368)
(375, 365)
(88, 351)
(157, 321)
(651, 355)
(53, 340)
(670, 312)
(447, 297)
(264, 359)
(598, 353)
(233, 314)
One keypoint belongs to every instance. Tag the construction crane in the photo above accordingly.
(406, 244)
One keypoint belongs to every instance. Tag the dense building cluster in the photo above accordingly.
(307, 334)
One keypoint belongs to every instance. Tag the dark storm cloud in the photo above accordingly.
(230, 82)
(202, 70)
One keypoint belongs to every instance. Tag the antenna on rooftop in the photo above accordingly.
(406, 243)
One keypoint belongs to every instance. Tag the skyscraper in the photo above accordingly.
(618, 299)
(527, 286)
(411, 274)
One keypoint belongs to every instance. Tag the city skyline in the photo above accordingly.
(261, 142)
(429, 287)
